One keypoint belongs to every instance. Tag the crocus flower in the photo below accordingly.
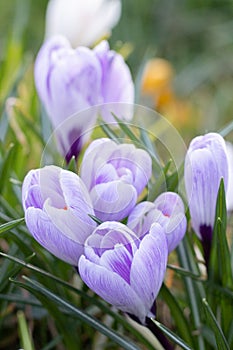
(205, 164)
(115, 175)
(117, 85)
(82, 22)
(229, 192)
(70, 81)
(167, 210)
(123, 270)
(67, 81)
(56, 205)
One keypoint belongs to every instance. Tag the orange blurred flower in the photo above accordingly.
(157, 80)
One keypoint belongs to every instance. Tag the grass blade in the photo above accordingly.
(213, 324)
(9, 225)
(84, 317)
(172, 335)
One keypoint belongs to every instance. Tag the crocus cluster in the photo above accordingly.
(71, 81)
(123, 263)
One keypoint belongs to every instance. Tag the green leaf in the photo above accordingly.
(213, 324)
(91, 300)
(227, 129)
(7, 166)
(53, 343)
(24, 335)
(109, 132)
(84, 317)
(184, 272)
(72, 166)
(172, 335)
(10, 225)
(220, 259)
(94, 218)
(193, 290)
(177, 315)
(127, 131)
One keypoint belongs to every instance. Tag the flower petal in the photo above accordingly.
(82, 22)
(137, 160)
(51, 238)
(149, 265)
(202, 180)
(113, 200)
(111, 287)
(94, 159)
(118, 260)
(173, 217)
(142, 217)
(71, 226)
(76, 195)
(117, 84)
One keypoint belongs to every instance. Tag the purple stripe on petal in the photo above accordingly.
(43, 230)
(149, 265)
(118, 260)
(112, 288)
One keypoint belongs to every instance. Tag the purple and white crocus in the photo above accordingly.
(115, 175)
(56, 205)
(68, 81)
(167, 210)
(116, 84)
(205, 165)
(71, 81)
(125, 271)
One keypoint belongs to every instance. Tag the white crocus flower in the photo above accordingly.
(83, 22)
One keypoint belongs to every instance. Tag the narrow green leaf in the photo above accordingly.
(10, 225)
(91, 300)
(24, 333)
(72, 166)
(109, 132)
(172, 335)
(185, 272)
(6, 166)
(127, 131)
(94, 218)
(145, 139)
(213, 324)
(177, 315)
(173, 179)
(226, 130)
(53, 343)
(12, 297)
(193, 290)
(220, 270)
(126, 344)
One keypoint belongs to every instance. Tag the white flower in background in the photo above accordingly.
(83, 22)
(229, 192)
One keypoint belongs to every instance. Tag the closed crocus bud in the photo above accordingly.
(123, 270)
(68, 81)
(115, 175)
(205, 164)
(168, 211)
(117, 85)
(82, 22)
(56, 205)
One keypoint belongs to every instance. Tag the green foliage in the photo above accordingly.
(43, 303)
